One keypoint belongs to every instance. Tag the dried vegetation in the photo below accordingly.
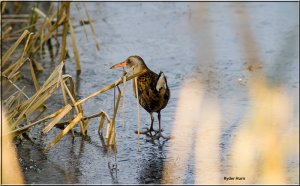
(20, 47)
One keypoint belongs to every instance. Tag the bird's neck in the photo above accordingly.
(139, 68)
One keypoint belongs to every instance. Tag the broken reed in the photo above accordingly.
(54, 81)
(20, 108)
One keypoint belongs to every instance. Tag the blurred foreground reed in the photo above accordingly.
(267, 136)
(10, 169)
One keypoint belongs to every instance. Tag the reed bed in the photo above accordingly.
(25, 111)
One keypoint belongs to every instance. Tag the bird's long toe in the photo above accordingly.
(159, 135)
(146, 132)
(157, 131)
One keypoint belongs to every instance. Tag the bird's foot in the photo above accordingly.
(157, 131)
(148, 132)
(159, 135)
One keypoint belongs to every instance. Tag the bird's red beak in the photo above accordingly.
(122, 64)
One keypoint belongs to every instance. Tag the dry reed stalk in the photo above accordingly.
(75, 50)
(15, 21)
(25, 128)
(10, 68)
(20, 62)
(63, 90)
(35, 81)
(112, 132)
(33, 19)
(39, 12)
(123, 101)
(103, 116)
(92, 27)
(27, 46)
(17, 7)
(13, 99)
(12, 83)
(3, 5)
(86, 125)
(119, 81)
(45, 38)
(6, 33)
(65, 131)
(50, 8)
(23, 111)
(4, 25)
(66, 7)
(78, 108)
(15, 16)
(16, 76)
(13, 47)
(84, 118)
(138, 108)
(64, 111)
(78, 10)
(37, 66)
(51, 29)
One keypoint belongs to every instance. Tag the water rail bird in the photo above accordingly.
(153, 91)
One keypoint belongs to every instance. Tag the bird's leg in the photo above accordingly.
(149, 130)
(152, 120)
(158, 135)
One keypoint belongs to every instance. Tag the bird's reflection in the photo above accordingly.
(152, 165)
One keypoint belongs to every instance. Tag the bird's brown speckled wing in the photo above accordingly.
(149, 98)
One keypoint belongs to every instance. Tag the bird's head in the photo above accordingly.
(134, 63)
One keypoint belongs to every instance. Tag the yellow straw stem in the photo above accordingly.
(119, 81)
(138, 108)
(123, 104)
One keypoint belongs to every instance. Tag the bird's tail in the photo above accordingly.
(161, 82)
